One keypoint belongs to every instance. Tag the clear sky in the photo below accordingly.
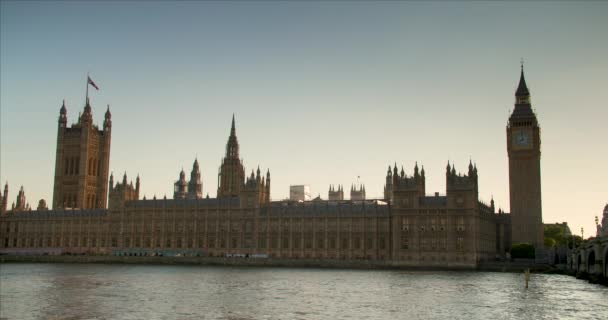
(323, 92)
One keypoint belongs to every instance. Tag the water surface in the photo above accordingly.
(93, 291)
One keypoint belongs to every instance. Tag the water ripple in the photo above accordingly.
(72, 291)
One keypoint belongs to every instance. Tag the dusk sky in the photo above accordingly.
(323, 92)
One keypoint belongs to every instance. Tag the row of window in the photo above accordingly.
(222, 243)
(432, 244)
(72, 166)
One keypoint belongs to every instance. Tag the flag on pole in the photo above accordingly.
(92, 83)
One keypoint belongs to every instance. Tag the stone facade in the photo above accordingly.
(406, 227)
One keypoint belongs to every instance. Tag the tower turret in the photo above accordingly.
(232, 174)
(4, 199)
(137, 184)
(21, 203)
(195, 185)
(107, 122)
(180, 190)
(63, 116)
(86, 118)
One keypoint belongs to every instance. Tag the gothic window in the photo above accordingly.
(382, 243)
(460, 226)
(405, 244)
(459, 244)
(405, 226)
(308, 243)
(296, 242)
(67, 166)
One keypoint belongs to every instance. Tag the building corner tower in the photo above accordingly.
(523, 148)
(82, 161)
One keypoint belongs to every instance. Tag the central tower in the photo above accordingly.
(231, 177)
(523, 147)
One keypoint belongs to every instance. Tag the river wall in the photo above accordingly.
(517, 266)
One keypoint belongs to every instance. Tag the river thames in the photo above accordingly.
(94, 291)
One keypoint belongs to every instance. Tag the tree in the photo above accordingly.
(522, 251)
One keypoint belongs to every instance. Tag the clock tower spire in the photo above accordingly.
(523, 148)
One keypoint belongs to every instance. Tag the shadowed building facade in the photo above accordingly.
(406, 227)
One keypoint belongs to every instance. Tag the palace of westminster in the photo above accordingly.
(94, 214)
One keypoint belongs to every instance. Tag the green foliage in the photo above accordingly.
(555, 236)
(577, 241)
(522, 251)
(550, 242)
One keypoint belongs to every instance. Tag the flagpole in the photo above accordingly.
(87, 97)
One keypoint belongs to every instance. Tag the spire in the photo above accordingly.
(63, 119)
(107, 122)
(124, 179)
(233, 129)
(522, 88)
(195, 166)
(86, 116)
(522, 95)
(232, 147)
(87, 107)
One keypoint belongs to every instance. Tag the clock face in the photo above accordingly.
(522, 139)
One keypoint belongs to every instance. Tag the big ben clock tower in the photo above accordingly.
(523, 147)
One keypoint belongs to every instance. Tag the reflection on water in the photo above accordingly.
(86, 291)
